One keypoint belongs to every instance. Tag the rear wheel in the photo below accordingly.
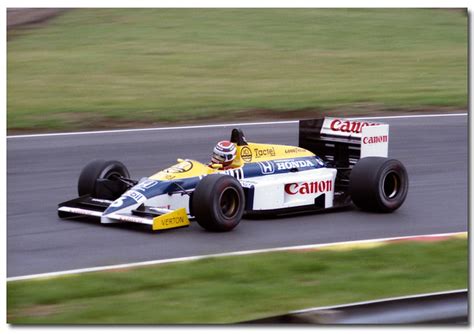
(378, 184)
(101, 179)
(218, 203)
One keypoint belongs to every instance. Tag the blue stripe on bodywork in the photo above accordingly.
(152, 188)
(279, 166)
(149, 189)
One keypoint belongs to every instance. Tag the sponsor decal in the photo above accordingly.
(308, 187)
(173, 221)
(248, 184)
(98, 200)
(246, 154)
(289, 164)
(237, 173)
(130, 219)
(264, 152)
(295, 150)
(135, 195)
(118, 202)
(81, 211)
(319, 161)
(144, 186)
(182, 167)
(266, 167)
(340, 125)
(375, 139)
(157, 208)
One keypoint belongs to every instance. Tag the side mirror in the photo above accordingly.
(180, 160)
(216, 166)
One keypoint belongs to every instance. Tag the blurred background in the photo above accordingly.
(107, 68)
(84, 69)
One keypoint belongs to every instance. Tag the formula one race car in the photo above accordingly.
(351, 166)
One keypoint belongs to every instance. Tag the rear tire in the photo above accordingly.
(378, 184)
(104, 170)
(218, 203)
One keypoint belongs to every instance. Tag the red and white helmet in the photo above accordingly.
(224, 153)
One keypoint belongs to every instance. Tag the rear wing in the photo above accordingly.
(342, 142)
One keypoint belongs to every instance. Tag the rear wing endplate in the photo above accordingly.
(342, 142)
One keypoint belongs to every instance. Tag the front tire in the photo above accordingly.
(218, 203)
(99, 179)
(378, 184)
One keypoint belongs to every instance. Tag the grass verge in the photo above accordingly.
(93, 68)
(232, 289)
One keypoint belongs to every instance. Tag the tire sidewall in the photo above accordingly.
(99, 169)
(367, 184)
(219, 190)
(207, 206)
(387, 204)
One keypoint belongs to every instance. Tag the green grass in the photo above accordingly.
(232, 289)
(104, 67)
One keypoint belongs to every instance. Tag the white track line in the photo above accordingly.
(215, 126)
(199, 257)
(439, 293)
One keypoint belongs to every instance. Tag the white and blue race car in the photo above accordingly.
(337, 162)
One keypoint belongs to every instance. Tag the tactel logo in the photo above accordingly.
(264, 152)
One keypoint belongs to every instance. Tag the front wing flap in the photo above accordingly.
(156, 218)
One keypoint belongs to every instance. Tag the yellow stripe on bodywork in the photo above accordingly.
(183, 169)
(177, 218)
(254, 152)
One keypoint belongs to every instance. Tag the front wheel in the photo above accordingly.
(378, 184)
(100, 179)
(218, 203)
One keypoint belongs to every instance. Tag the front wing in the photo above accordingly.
(156, 218)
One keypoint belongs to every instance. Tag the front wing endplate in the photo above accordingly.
(177, 218)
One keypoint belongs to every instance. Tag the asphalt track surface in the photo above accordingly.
(43, 171)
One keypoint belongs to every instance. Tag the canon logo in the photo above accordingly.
(375, 139)
(349, 126)
(308, 187)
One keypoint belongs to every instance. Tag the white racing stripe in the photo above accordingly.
(217, 126)
(312, 309)
(193, 258)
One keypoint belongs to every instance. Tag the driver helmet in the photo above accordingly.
(224, 153)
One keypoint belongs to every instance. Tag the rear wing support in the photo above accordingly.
(342, 142)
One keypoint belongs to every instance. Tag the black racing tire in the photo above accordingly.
(218, 203)
(101, 169)
(378, 184)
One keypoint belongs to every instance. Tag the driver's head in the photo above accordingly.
(224, 153)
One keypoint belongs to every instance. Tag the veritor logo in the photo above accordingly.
(246, 154)
(267, 167)
(349, 126)
(308, 187)
(375, 139)
(173, 221)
